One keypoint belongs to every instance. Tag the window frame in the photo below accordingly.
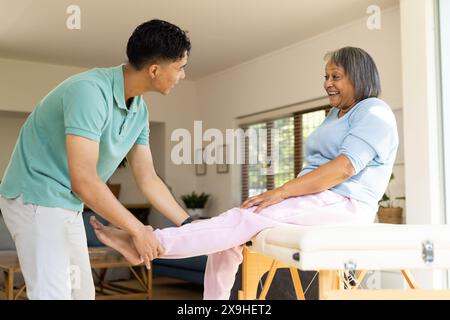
(298, 143)
(443, 9)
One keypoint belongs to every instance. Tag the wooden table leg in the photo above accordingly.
(254, 266)
(149, 283)
(409, 279)
(328, 281)
(269, 279)
(9, 284)
(297, 284)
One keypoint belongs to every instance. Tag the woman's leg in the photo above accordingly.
(323, 208)
(228, 230)
(220, 273)
(220, 237)
(233, 228)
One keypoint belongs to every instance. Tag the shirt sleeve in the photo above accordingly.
(144, 135)
(85, 110)
(372, 136)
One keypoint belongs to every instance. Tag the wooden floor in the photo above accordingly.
(165, 288)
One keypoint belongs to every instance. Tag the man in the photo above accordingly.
(71, 144)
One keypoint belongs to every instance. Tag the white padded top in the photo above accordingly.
(375, 236)
(374, 246)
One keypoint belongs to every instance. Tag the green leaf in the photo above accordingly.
(195, 201)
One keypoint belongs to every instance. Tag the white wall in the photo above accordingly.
(24, 83)
(10, 124)
(291, 75)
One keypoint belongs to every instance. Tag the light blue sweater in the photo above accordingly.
(368, 136)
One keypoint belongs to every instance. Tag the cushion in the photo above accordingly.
(373, 246)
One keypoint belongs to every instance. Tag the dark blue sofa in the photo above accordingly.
(189, 269)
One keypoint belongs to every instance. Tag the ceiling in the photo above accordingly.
(223, 33)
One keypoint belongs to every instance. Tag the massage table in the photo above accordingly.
(343, 254)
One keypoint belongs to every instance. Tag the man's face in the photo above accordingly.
(168, 74)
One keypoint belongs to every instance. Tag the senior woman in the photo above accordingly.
(349, 161)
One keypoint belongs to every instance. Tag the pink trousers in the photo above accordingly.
(222, 237)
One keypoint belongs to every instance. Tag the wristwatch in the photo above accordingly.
(188, 220)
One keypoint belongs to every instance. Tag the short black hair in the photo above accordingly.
(360, 68)
(157, 40)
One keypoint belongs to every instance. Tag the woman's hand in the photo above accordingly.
(265, 199)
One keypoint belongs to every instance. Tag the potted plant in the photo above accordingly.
(387, 211)
(195, 203)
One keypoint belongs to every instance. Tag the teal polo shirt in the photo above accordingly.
(91, 105)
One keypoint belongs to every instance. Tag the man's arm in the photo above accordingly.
(157, 193)
(82, 157)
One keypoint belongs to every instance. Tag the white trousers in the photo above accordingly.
(52, 248)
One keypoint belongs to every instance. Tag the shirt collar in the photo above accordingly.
(119, 90)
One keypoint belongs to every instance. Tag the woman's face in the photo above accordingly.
(339, 87)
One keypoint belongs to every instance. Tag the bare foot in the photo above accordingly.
(117, 239)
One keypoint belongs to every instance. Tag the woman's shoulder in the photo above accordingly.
(372, 112)
(373, 103)
(373, 107)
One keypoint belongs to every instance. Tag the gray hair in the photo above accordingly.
(360, 68)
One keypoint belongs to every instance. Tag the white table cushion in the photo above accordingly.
(373, 247)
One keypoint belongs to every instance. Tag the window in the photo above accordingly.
(288, 144)
(444, 43)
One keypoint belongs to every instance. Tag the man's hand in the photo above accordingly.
(146, 245)
(265, 199)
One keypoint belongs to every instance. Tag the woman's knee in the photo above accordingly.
(241, 213)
